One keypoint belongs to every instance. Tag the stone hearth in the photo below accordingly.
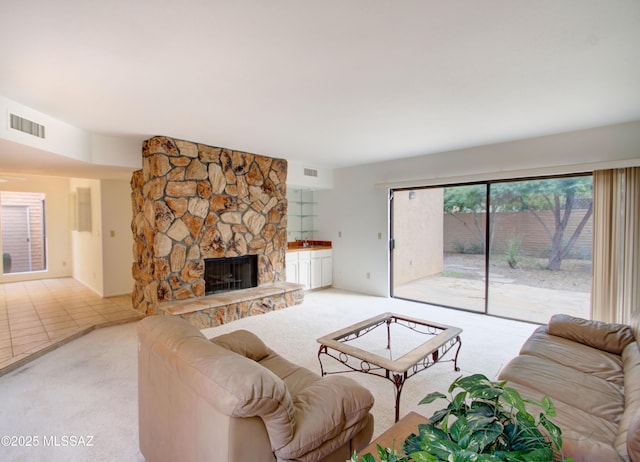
(191, 202)
(214, 310)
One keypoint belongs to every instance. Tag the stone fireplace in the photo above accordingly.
(194, 203)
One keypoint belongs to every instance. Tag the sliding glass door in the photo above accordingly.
(438, 252)
(540, 257)
(517, 249)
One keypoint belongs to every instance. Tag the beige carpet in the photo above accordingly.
(87, 389)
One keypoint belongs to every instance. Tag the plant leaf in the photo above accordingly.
(470, 381)
(459, 401)
(474, 432)
(412, 444)
(365, 458)
(432, 440)
(524, 418)
(486, 392)
(485, 437)
(460, 432)
(439, 415)
(555, 433)
(479, 386)
(389, 455)
(538, 455)
(464, 456)
(482, 410)
(423, 456)
(454, 385)
(468, 456)
(368, 458)
(513, 399)
(548, 407)
(431, 397)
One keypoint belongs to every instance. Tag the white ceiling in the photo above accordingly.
(329, 83)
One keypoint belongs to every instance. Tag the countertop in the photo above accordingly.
(298, 246)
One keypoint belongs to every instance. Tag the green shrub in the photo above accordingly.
(458, 246)
(513, 251)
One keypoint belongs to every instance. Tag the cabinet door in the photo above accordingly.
(327, 271)
(291, 262)
(316, 273)
(292, 271)
(304, 269)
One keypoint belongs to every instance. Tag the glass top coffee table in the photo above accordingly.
(396, 352)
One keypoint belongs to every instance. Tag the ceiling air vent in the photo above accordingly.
(26, 126)
(310, 172)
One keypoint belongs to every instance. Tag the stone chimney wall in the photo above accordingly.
(191, 202)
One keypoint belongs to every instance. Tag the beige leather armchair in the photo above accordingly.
(233, 399)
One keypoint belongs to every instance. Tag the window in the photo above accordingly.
(23, 232)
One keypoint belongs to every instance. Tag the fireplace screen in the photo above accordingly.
(226, 274)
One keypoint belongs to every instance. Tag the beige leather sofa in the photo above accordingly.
(233, 399)
(591, 371)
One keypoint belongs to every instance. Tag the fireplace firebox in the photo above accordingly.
(226, 274)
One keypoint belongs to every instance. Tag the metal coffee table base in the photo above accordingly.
(441, 339)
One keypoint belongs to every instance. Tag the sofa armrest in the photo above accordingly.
(333, 407)
(609, 337)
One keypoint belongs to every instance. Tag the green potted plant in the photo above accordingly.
(484, 421)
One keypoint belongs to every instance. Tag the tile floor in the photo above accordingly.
(38, 316)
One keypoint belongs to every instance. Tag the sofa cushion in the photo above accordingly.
(324, 410)
(583, 391)
(244, 343)
(585, 437)
(575, 355)
(628, 439)
(295, 378)
(329, 410)
(604, 336)
(633, 438)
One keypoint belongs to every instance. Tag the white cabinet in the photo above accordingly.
(311, 268)
(321, 268)
(299, 268)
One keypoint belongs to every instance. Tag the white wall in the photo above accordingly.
(297, 179)
(352, 215)
(116, 151)
(102, 257)
(357, 206)
(117, 239)
(59, 260)
(87, 245)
